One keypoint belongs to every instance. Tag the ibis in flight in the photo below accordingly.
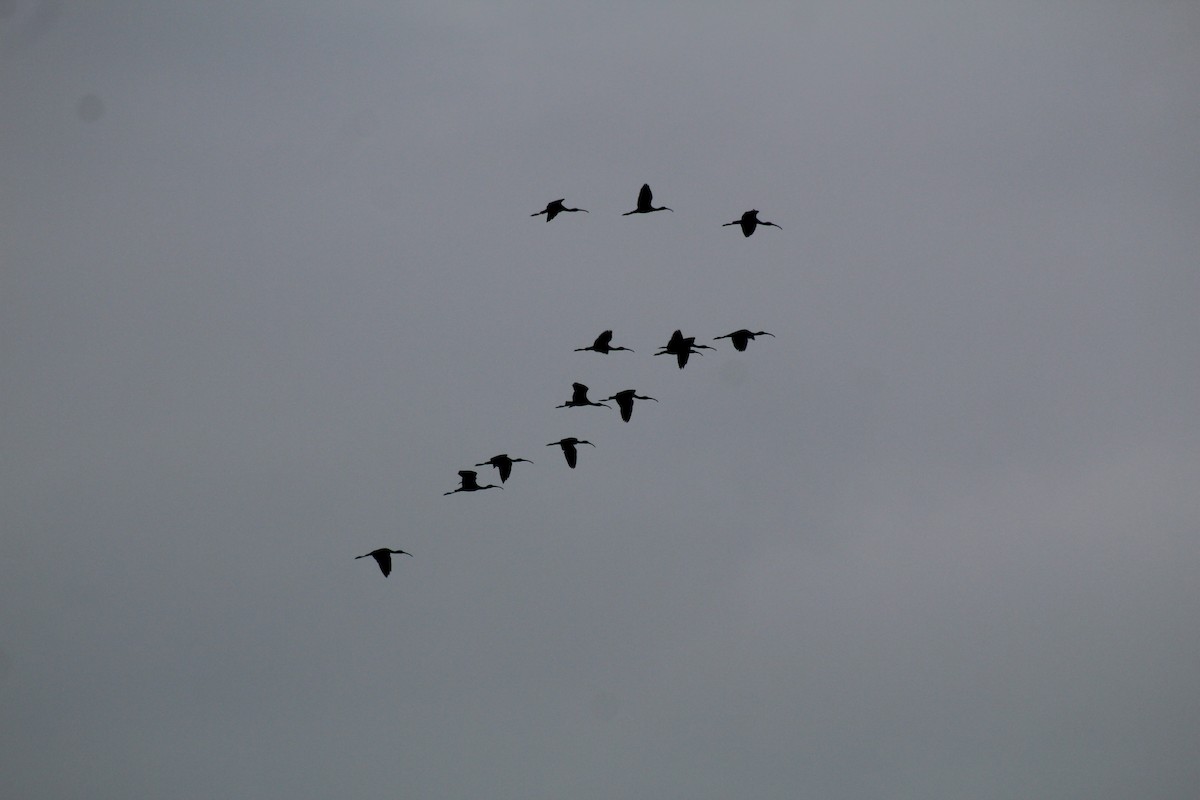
(682, 347)
(602, 344)
(750, 221)
(383, 557)
(568, 448)
(470, 484)
(741, 338)
(625, 402)
(503, 462)
(580, 398)
(556, 207)
(645, 202)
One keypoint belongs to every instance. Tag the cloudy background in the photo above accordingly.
(268, 279)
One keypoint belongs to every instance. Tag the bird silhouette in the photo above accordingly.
(682, 347)
(601, 345)
(742, 337)
(568, 448)
(503, 462)
(469, 484)
(383, 557)
(645, 201)
(625, 400)
(554, 208)
(580, 398)
(750, 221)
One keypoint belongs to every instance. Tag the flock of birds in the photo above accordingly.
(680, 346)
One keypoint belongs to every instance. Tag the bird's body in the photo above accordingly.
(625, 400)
(602, 344)
(742, 337)
(383, 557)
(645, 203)
(554, 208)
(568, 447)
(580, 398)
(504, 463)
(470, 484)
(750, 221)
(682, 347)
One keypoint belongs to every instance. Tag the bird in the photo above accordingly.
(554, 207)
(750, 221)
(503, 462)
(645, 198)
(383, 557)
(742, 337)
(580, 398)
(625, 400)
(469, 484)
(568, 448)
(682, 347)
(601, 345)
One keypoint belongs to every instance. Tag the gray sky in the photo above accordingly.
(268, 279)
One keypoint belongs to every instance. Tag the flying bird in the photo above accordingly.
(625, 402)
(580, 398)
(645, 202)
(602, 344)
(554, 208)
(469, 484)
(750, 221)
(568, 448)
(682, 347)
(742, 337)
(383, 557)
(503, 462)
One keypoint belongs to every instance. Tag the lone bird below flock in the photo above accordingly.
(682, 347)
(750, 221)
(555, 207)
(742, 337)
(580, 398)
(383, 557)
(645, 202)
(568, 448)
(602, 344)
(503, 462)
(470, 484)
(625, 402)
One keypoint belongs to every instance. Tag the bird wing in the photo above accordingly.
(384, 559)
(645, 196)
(682, 358)
(571, 454)
(603, 339)
(505, 468)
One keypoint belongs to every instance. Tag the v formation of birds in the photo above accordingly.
(680, 346)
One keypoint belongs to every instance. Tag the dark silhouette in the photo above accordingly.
(568, 448)
(749, 222)
(742, 337)
(625, 402)
(580, 398)
(503, 463)
(383, 557)
(601, 345)
(645, 200)
(469, 484)
(555, 207)
(682, 347)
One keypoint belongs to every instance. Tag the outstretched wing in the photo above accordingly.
(571, 454)
(384, 559)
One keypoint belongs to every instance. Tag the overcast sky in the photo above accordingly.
(269, 279)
